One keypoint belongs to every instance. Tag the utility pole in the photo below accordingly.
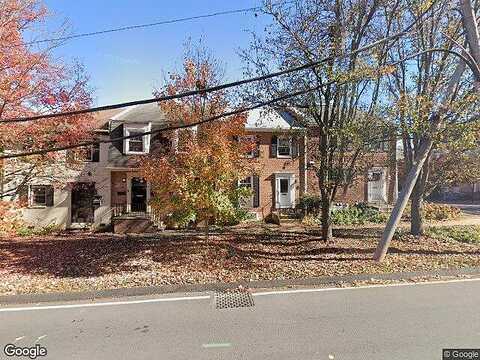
(436, 119)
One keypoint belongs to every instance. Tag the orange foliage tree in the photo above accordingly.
(196, 181)
(31, 83)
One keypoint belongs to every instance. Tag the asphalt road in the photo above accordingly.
(397, 322)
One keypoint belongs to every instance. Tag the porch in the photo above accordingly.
(130, 209)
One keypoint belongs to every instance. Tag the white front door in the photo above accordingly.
(377, 185)
(285, 191)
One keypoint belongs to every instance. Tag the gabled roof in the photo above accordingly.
(262, 119)
(268, 118)
(132, 114)
(141, 114)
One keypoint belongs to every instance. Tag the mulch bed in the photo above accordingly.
(80, 261)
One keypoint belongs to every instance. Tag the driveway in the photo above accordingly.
(471, 209)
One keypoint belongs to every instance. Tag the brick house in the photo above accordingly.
(109, 188)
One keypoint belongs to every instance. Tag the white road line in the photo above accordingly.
(216, 345)
(40, 338)
(113, 303)
(294, 291)
(19, 338)
(204, 297)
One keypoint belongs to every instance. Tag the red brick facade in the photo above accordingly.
(270, 166)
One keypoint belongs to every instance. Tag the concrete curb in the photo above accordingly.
(189, 288)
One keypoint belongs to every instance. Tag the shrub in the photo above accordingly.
(352, 215)
(237, 216)
(433, 211)
(311, 220)
(32, 231)
(310, 204)
(466, 234)
(357, 215)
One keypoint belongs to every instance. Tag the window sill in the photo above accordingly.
(284, 156)
(37, 207)
(135, 153)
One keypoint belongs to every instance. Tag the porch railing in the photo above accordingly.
(124, 210)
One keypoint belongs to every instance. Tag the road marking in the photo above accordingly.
(113, 303)
(40, 338)
(19, 338)
(204, 297)
(216, 345)
(281, 292)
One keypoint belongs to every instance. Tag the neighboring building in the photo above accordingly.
(109, 188)
(460, 192)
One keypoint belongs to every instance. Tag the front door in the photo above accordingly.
(82, 210)
(139, 195)
(377, 186)
(285, 189)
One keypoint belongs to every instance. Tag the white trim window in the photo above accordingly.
(247, 183)
(284, 147)
(92, 153)
(254, 151)
(40, 195)
(139, 145)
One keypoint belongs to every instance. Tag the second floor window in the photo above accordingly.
(284, 147)
(92, 153)
(137, 145)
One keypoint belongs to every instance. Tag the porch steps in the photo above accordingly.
(287, 217)
(134, 224)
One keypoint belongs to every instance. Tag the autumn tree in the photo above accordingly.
(456, 159)
(197, 180)
(32, 82)
(416, 87)
(342, 110)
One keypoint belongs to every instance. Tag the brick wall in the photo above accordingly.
(268, 165)
(358, 190)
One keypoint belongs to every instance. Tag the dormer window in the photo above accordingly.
(137, 145)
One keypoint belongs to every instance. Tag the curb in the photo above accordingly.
(190, 288)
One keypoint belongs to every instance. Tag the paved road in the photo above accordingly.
(402, 322)
(471, 209)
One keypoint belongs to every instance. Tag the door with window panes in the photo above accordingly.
(285, 191)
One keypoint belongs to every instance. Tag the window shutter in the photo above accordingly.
(96, 152)
(49, 195)
(256, 191)
(257, 149)
(273, 147)
(294, 147)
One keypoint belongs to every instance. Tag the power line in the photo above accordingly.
(147, 25)
(210, 89)
(167, 128)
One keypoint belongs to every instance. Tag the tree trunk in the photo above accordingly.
(418, 194)
(326, 220)
(416, 222)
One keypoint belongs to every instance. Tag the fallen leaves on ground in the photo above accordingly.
(82, 261)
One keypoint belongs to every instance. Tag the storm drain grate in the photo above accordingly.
(233, 299)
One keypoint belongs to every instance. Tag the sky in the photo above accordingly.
(127, 65)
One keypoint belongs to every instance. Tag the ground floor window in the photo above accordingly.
(40, 195)
(251, 183)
